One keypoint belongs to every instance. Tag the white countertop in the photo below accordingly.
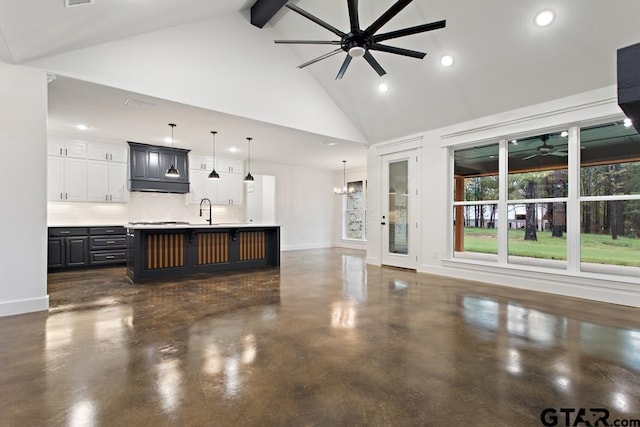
(205, 225)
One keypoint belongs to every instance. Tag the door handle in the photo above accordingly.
(383, 223)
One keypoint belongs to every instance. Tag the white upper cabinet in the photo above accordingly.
(107, 152)
(229, 166)
(200, 162)
(201, 186)
(67, 148)
(230, 190)
(66, 179)
(80, 171)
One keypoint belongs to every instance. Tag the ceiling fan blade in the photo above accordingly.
(317, 20)
(344, 67)
(376, 66)
(386, 17)
(409, 31)
(529, 157)
(398, 50)
(320, 58)
(334, 42)
(353, 15)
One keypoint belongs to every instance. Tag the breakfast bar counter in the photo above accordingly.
(170, 250)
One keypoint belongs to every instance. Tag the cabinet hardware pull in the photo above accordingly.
(111, 242)
(106, 197)
(66, 152)
(108, 231)
(65, 232)
(106, 156)
(111, 197)
(110, 156)
(110, 257)
(60, 196)
(61, 151)
(66, 195)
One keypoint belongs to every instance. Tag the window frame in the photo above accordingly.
(573, 202)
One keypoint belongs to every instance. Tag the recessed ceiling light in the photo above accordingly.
(544, 18)
(329, 143)
(514, 141)
(564, 134)
(383, 87)
(446, 61)
(627, 123)
(233, 149)
(82, 126)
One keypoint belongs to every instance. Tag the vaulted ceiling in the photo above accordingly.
(207, 54)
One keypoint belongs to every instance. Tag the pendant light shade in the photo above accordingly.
(342, 191)
(249, 177)
(214, 174)
(172, 172)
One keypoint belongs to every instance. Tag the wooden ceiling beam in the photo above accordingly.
(263, 10)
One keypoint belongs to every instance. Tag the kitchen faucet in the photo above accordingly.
(208, 201)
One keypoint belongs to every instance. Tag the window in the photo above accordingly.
(610, 197)
(355, 213)
(514, 202)
(537, 199)
(475, 209)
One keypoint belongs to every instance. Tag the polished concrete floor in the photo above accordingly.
(325, 340)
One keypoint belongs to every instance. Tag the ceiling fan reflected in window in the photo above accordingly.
(547, 150)
(358, 42)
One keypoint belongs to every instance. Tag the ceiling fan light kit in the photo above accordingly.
(358, 42)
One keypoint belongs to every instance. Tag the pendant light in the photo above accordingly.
(249, 177)
(172, 172)
(214, 174)
(342, 191)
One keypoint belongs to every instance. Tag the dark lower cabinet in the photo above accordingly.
(86, 246)
(68, 247)
(107, 245)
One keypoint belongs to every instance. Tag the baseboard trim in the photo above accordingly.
(12, 308)
(575, 287)
(306, 246)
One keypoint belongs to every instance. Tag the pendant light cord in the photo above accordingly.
(249, 159)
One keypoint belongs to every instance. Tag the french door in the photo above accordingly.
(400, 209)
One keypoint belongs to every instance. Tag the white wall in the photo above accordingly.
(142, 206)
(304, 204)
(23, 254)
(435, 189)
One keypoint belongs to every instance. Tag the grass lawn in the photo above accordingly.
(595, 248)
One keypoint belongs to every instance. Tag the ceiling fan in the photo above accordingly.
(546, 150)
(358, 42)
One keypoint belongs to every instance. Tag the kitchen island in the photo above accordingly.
(159, 251)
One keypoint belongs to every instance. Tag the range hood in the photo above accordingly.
(629, 82)
(148, 164)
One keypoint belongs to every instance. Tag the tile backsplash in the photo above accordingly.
(141, 207)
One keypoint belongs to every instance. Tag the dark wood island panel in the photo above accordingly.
(156, 253)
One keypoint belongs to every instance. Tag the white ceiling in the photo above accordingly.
(502, 62)
(111, 119)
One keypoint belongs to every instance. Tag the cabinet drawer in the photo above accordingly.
(97, 231)
(108, 257)
(107, 242)
(68, 231)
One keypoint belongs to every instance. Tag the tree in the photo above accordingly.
(530, 217)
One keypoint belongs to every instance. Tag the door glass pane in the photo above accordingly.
(398, 207)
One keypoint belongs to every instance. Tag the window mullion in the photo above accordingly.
(573, 204)
(503, 217)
